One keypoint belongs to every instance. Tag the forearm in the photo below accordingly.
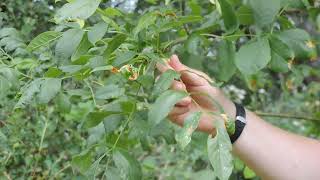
(276, 154)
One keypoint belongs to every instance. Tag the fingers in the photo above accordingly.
(188, 75)
(163, 67)
(205, 124)
(179, 86)
(176, 64)
(179, 110)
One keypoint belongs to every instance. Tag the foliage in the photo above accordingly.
(83, 99)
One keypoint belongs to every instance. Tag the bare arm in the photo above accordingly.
(271, 152)
(276, 154)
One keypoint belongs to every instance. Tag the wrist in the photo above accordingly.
(226, 104)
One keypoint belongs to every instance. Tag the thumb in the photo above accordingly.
(176, 64)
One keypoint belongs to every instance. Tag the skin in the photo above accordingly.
(271, 152)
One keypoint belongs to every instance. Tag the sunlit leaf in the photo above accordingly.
(163, 105)
(190, 124)
(253, 56)
(81, 9)
(219, 152)
(43, 39)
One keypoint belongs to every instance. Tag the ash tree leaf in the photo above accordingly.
(77, 9)
(53, 72)
(163, 105)
(111, 91)
(95, 118)
(280, 54)
(297, 40)
(82, 48)
(29, 92)
(226, 60)
(245, 15)
(102, 68)
(248, 173)
(43, 39)
(183, 137)
(129, 167)
(194, 43)
(82, 162)
(264, 12)
(164, 82)
(114, 44)
(219, 152)
(68, 43)
(144, 22)
(123, 57)
(49, 89)
(63, 103)
(228, 15)
(253, 56)
(97, 32)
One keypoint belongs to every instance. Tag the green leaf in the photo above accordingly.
(49, 89)
(109, 92)
(253, 56)
(97, 32)
(68, 43)
(82, 48)
(43, 39)
(123, 57)
(183, 137)
(163, 105)
(28, 93)
(280, 54)
(144, 22)
(63, 103)
(114, 44)
(228, 15)
(219, 152)
(53, 72)
(77, 9)
(82, 162)
(194, 44)
(226, 60)
(95, 118)
(264, 12)
(164, 82)
(245, 15)
(102, 68)
(128, 165)
(297, 40)
(248, 173)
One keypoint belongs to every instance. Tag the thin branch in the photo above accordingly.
(290, 116)
(183, 9)
(92, 93)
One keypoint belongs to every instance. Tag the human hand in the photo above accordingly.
(196, 83)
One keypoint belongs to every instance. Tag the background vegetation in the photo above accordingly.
(74, 101)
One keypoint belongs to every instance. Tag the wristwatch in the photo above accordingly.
(240, 122)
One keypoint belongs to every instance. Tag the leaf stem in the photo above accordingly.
(92, 93)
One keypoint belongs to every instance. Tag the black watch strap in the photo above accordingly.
(240, 122)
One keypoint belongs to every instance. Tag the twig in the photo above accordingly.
(92, 93)
(183, 8)
(6, 54)
(61, 170)
(7, 175)
(290, 116)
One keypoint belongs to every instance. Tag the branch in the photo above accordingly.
(290, 116)
(183, 8)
